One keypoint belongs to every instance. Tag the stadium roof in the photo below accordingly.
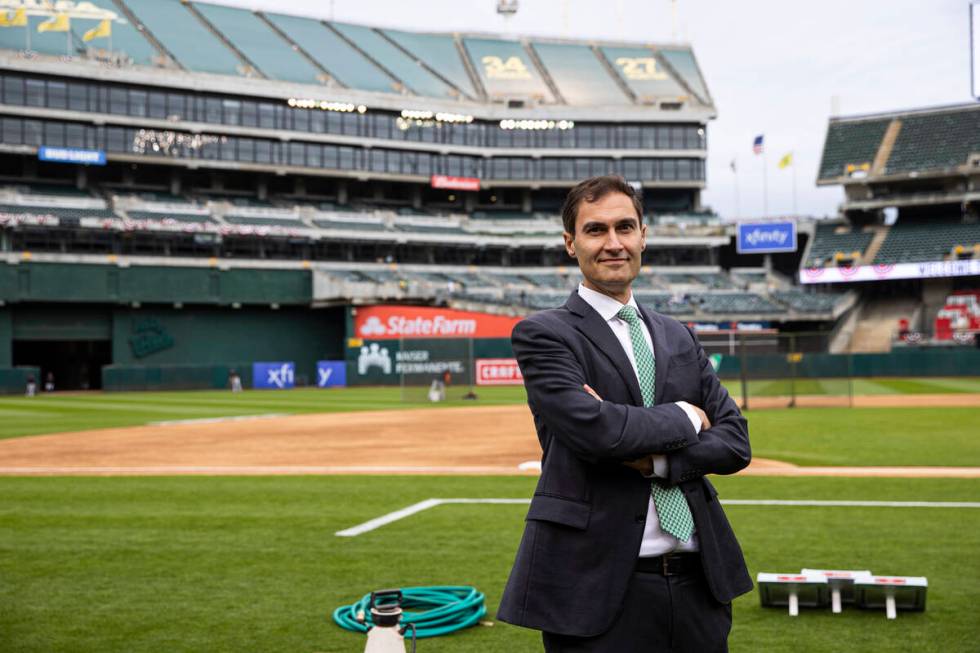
(937, 141)
(184, 42)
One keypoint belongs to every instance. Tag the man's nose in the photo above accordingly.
(612, 242)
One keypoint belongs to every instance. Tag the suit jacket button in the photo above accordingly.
(640, 519)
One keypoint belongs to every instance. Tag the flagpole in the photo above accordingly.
(793, 165)
(27, 32)
(765, 186)
(738, 211)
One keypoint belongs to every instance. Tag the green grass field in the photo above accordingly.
(56, 413)
(252, 564)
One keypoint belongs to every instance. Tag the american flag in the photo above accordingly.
(757, 145)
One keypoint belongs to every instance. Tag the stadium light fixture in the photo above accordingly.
(326, 105)
(537, 124)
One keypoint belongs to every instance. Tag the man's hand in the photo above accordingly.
(592, 392)
(705, 422)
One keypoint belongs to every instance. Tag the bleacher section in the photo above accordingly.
(959, 319)
(930, 140)
(928, 241)
(216, 39)
(347, 65)
(260, 44)
(184, 36)
(414, 77)
(851, 144)
(579, 75)
(934, 141)
(835, 241)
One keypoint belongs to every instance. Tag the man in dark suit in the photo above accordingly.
(626, 547)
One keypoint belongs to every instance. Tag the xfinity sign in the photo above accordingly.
(274, 376)
(766, 237)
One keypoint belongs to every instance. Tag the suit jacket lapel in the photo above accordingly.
(597, 330)
(661, 353)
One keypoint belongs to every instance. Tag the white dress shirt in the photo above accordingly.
(655, 540)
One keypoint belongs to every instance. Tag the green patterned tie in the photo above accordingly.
(675, 515)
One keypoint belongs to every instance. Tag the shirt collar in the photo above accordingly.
(604, 305)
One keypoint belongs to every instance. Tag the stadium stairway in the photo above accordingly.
(877, 322)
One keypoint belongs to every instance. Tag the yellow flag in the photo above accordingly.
(102, 30)
(57, 23)
(786, 161)
(19, 19)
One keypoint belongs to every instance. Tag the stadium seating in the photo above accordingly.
(807, 302)
(935, 140)
(959, 319)
(851, 143)
(439, 52)
(682, 61)
(126, 39)
(579, 75)
(184, 36)
(491, 58)
(642, 74)
(831, 239)
(926, 241)
(732, 303)
(415, 77)
(260, 44)
(344, 63)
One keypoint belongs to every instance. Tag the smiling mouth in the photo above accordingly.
(613, 260)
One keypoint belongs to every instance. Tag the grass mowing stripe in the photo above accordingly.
(189, 564)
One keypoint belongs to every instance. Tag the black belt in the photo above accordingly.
(670, 564)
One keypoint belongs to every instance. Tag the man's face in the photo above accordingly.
(607, 242)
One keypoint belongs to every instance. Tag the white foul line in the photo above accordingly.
(383, 520)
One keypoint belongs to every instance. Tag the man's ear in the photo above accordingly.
(643, 238)
(569, 243)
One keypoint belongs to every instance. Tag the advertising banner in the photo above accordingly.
(331, 374)
(393, 322)
(273, 376)
(498, 371)
(886, 271)
(455, 183)
(766, 237)
(71, 155)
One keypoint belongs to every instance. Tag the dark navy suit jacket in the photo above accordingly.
(585, 523)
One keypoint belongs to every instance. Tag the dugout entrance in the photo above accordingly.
(75, 364)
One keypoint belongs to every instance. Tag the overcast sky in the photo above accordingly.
(773, 67)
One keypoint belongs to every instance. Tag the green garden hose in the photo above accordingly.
(433, 610)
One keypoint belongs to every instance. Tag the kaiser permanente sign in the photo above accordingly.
(392, 322)
(882, 272)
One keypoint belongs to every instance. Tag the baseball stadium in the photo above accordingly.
(258, 278)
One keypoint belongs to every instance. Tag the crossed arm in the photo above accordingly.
(606, 431)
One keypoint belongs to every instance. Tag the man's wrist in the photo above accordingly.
(692, 415)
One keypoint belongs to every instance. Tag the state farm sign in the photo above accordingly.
(395, 322)
(455, 183)
(498, 371)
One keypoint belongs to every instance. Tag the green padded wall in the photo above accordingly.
(63, 282)
(60, 323)
(6, 338)
(204, 336)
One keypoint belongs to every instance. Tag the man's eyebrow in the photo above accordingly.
(622, 221)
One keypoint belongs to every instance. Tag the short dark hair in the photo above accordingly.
(594, 189)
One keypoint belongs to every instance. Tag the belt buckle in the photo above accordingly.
(666, 566)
